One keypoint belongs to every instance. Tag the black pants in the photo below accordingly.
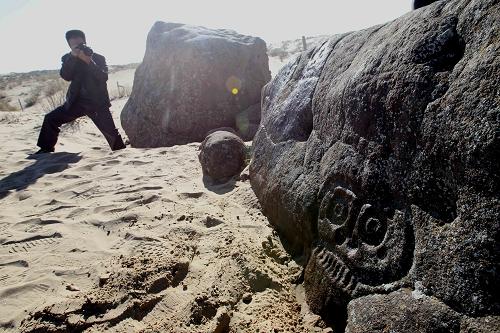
(101, 117)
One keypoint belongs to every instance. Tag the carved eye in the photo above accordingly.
(336, 206)
(371, 228)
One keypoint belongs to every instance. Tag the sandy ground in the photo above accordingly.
(134, 241)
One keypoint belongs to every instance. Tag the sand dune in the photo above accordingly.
(134, 241)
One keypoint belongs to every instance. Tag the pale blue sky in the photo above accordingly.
(32, 31)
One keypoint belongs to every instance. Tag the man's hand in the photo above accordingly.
(85, 58)
(76, 52)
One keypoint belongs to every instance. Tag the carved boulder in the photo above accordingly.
(377, 160)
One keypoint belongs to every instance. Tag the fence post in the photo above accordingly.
(304, 43)
(122, 93)
(20, 104)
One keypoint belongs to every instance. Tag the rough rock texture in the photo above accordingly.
(378, 160)
(222, 155)
(412, 311)
(401, 311)
(192, 80)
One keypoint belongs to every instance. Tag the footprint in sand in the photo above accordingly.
(111, 162)
(54, 168)
(36, 225)
(65, 158)
(87, 167)
(176, 303)
(144, 201)
(115, 210)
(118, 245)
(138, 189)
(166, 152)
(25, 290)
(16, 271)
(191, 195)
(3, 227)
(41, 287)
(77, 212)
(138, 163)
(106, 209)
(7, 279)
(32, 243)
(52, 202)
(39, 221)
(23, 195)
(176, 179)
(74, 185)
(69, 176)
(16, 263)
(151, 248)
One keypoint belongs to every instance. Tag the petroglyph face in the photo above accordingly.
(360, 246)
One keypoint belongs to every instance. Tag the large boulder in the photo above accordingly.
(222, 155)
(192, 80)
(377, 159)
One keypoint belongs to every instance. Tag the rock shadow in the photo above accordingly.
(219, 187)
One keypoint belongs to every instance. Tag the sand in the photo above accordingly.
(134, 241)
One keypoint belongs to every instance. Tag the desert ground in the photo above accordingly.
(135, 240)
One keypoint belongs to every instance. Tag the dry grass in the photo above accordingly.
(55, 96)
(4, 106)
(73, 126)
(4, 103)
(33, 97)
(278, 52)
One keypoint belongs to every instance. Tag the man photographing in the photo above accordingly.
(87, 95)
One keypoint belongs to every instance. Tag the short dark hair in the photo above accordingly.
(74, 34)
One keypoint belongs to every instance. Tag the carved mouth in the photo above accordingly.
(334, 268)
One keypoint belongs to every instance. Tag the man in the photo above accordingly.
(87, 95)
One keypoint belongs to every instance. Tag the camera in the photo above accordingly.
(86, 50)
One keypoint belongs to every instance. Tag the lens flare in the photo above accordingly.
(233, 85)
(242, 122)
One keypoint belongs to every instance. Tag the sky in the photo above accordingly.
(32, 31)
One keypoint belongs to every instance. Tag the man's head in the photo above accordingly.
(75, 38)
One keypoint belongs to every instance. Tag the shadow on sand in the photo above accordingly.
(44, 164)
(219, 187)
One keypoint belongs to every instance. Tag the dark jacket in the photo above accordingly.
(88, 82)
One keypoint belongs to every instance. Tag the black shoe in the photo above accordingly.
(43, 151)
(119, 145)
